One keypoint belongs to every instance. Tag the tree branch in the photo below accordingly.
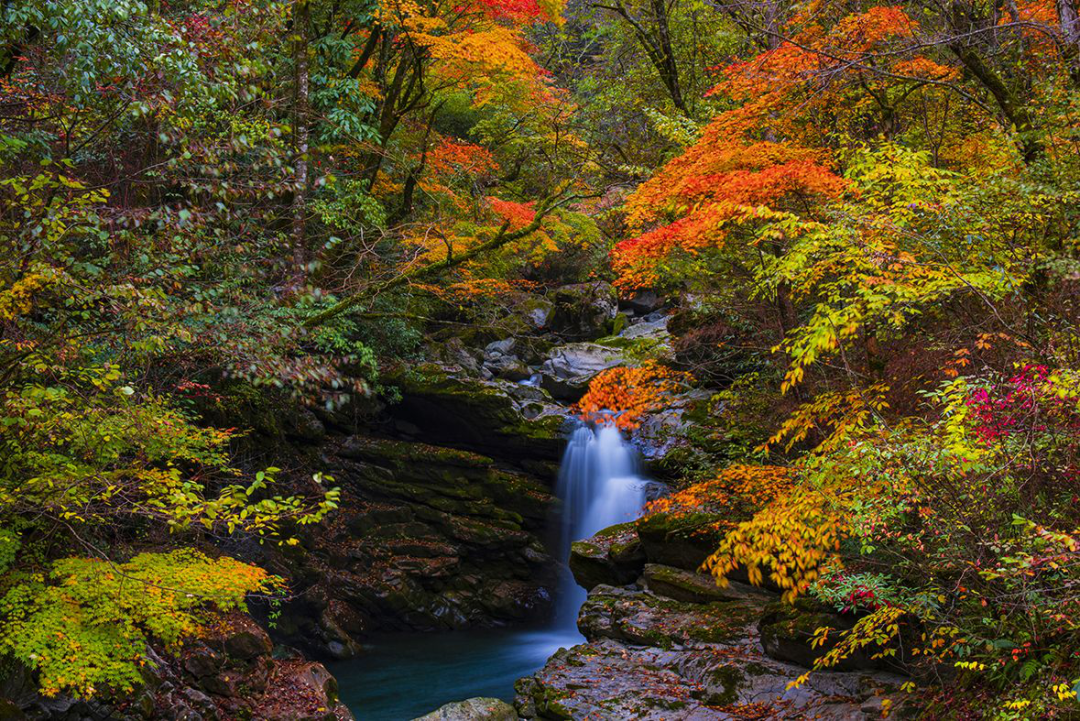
(504, 236)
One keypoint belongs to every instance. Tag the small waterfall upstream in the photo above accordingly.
(600, 485)
(410, 674)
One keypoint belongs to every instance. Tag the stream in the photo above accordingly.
(402, 676)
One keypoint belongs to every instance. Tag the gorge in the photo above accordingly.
(575, 360)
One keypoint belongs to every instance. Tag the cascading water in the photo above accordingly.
(599, 485)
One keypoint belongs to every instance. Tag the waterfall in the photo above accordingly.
(600, 485)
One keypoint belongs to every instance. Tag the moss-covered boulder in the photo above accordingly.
(584, 310)
(654, 658)
(613, 557)
(646, 619)
(682, 540)
(495, 417)
(787, 631)
(691, 587)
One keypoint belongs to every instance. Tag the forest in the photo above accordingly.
(539, 359)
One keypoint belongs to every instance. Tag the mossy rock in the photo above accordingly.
(583, 310)
(787, 631)
(688, 586)
(535, 700)
(613, 557)
(645, 619)
(398, 454)
(682, 540)
(618, 324)
(487, 416)
(720, 685)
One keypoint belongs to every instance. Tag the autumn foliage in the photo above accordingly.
(626, 395)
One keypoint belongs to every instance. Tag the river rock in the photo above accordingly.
(499, 348)
(473, 709)
(509, 367)
(613, 556)
(787, 632)
(649, 657)
(690, 587)
(654, 330)
(584, 310)
(536, 311)
(682, 540)
(566, 372)
(642, 302)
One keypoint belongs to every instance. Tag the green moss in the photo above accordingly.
(619, 324)
(722, 687)
(550, 702)
(617, 530)
(683, 585)
(543, 428)
(399, 453)
(683, 540)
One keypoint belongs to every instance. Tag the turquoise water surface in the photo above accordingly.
(403, 676)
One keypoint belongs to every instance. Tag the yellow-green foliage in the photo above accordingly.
(791, 538)
(85, 626)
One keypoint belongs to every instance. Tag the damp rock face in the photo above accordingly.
(428, 538)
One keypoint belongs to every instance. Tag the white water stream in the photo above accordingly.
(600, 485)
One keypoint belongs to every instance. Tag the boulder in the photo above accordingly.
(654, 330)
(787, 631)
(647, 619)
(663, 437)
(499, 348)
(653, 658)
(241, 638)
(453, 353)
(642, 302)
(509, 367)
(613, 557)
(682, 540)
(488, 416)
(473, 709)
(691, 587)
(584, 310)
(202, 661)
(569, 368)
(536, 312)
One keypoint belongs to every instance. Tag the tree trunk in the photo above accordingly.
(667, 68)
(301, 91)
(1070, 36)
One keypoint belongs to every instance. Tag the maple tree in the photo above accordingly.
(625, 395)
